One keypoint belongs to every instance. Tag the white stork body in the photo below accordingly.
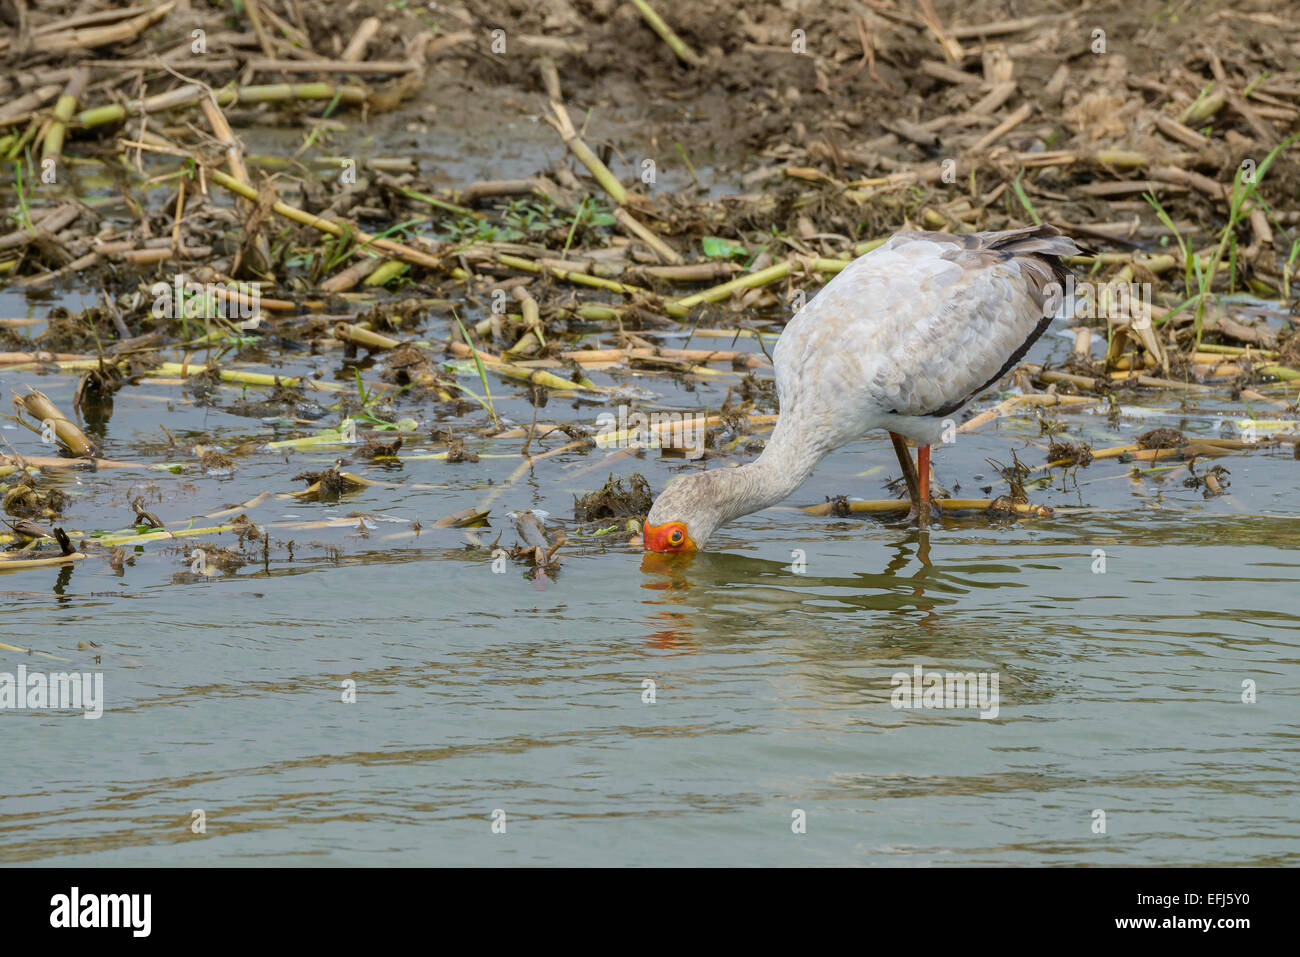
(901, 339)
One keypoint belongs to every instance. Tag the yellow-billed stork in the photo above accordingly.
(900, 340)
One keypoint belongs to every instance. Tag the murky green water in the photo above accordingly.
(476, 692)
(1120, 691)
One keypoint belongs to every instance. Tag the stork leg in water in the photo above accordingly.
(923, 466)
(899, 340)
(918, 490)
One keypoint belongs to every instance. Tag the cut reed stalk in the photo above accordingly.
(876, 506)
(192, 93)
(38, 406)
(52, 146)
(405, 253)
(667, 34)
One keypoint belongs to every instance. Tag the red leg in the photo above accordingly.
(909, 470)
(923, 478)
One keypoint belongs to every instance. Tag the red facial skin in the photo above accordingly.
(670, 537)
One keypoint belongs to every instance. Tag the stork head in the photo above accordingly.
(686, 513)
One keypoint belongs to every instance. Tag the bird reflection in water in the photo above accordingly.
(699, 583)
(671, 630)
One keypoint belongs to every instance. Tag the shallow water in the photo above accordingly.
(477, 692)
(1119, 691)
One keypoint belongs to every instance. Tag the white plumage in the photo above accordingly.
(900, 339)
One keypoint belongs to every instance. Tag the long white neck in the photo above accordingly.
(787, 460)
